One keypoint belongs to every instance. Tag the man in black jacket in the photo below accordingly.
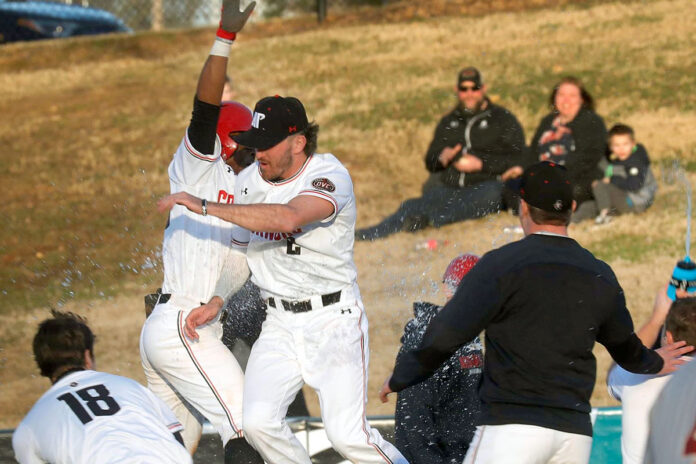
(473, 148)
(543, 301)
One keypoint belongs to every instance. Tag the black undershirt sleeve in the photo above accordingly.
(179, 438)
(203, 126)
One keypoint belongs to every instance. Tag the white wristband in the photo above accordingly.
(221, 47)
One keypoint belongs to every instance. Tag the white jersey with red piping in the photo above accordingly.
(95, 417)
(317, 258)
(195, 247)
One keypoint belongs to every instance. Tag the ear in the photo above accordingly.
(298, 144)
(669, 339)
(484, 88)
(575, 205)
(89, 360)
(524, 208)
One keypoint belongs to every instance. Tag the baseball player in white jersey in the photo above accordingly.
(673, 421)
(297, 211)
(638, 392)
(91, 417)
(202, 377)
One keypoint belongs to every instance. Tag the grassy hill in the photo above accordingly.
(89, 127)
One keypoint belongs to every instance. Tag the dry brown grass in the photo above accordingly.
(85, 144)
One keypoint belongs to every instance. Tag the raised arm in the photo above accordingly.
(206, 105)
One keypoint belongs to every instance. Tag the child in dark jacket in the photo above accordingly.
(629, 185)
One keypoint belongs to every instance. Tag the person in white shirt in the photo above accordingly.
(92, 417)
(673, 420)
(296, 212)
(202, 379)
(638, 392)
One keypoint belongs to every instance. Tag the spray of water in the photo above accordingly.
(680, 175)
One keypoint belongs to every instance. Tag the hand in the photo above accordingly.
(232, 19)
(606, 180)
(661, 307)
(511, 173)
(448, 153)
(385, 390)
(180, 198)
(468, 163)
(202, 315)
(671, 355)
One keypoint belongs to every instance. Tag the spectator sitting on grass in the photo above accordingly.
(638, 392)
(474, 150)
(574, 136)
(629, 185)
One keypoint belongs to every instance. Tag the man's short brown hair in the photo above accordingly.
(554, 218)
(681, 320)
(61, 342)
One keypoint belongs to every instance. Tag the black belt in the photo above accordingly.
(306, 305)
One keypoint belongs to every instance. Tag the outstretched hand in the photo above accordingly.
(202, 315)
(671, 355)
(232, 19)
(180, 198)
(385, 391)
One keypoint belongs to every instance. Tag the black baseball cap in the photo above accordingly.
(546, 186)
(470, 74)
(275, 119)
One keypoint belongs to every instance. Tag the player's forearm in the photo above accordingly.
(258, 217)
(649, 333)
(212, 80)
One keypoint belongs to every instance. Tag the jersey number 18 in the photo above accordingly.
(97, 400)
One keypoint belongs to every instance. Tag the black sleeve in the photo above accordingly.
(509, 149)
(624, 346)
(203, 126)
(445, 136)
(472, 307)
(179, 438)
(590, 136)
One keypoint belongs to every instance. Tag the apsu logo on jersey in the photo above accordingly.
(323, 183)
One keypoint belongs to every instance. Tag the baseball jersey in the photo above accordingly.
(95, 417)
(637, 393)
(315, 259)
(673, 420)
(195, 246)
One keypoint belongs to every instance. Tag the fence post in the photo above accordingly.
(321, 10)
(156, 15)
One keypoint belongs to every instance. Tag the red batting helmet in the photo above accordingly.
(234, 118)
(458, 268)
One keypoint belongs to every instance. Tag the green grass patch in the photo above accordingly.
(635, 248)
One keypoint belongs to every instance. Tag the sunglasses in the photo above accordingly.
(464, 88)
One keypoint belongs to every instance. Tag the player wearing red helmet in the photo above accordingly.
(435, 420)
(234, 119)
(202, 379)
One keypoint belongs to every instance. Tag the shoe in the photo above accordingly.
(603, 219)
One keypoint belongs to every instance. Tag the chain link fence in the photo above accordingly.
(22, 20)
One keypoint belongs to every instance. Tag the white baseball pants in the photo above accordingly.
(527, 444)
(204, 372)
(327, 348)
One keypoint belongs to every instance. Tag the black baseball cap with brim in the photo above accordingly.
(470, 74)
(275, 119)
(546, 186)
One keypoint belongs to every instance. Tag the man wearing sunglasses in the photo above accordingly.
(473, 148)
